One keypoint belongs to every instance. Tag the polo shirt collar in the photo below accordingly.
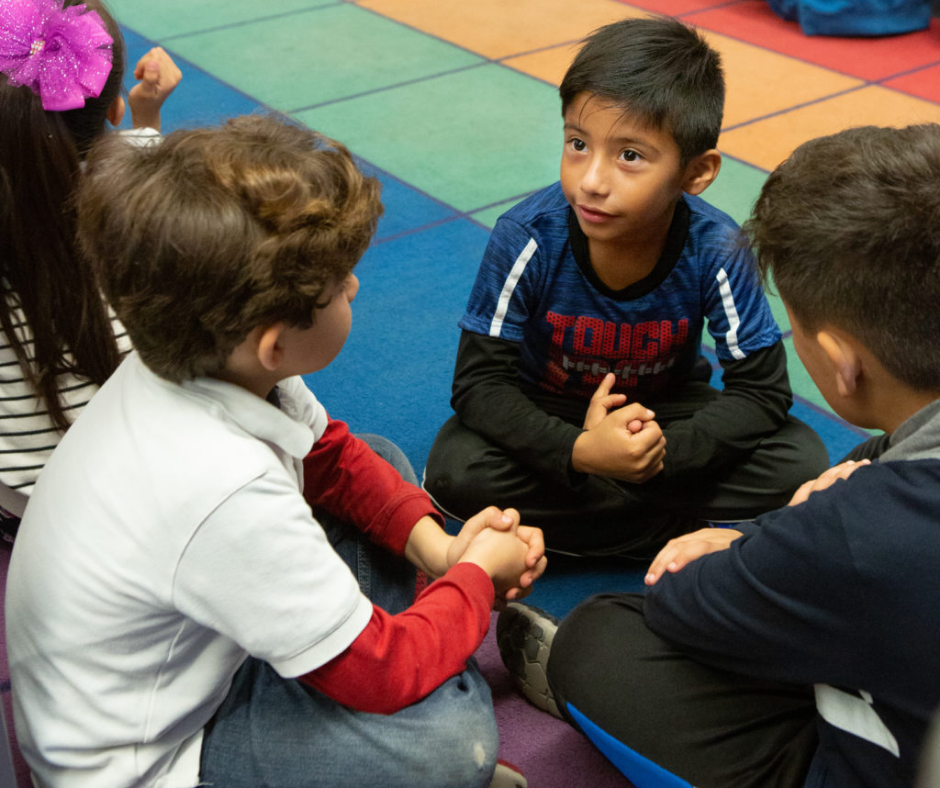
(254, 415)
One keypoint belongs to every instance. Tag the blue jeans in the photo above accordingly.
(272, 732)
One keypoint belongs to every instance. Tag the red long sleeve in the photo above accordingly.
(397, 660)
(346, 478)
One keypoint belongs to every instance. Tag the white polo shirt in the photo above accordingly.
(166, 540)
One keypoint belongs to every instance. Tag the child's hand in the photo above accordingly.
(158, 76)
(502, 555)
(603, 402)
(535, 562)
(491, 517)
(680, 552)
(826, 479)
(626, 444)
(504, 520)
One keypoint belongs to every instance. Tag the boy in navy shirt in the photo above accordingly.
(581, 392)
(799, 649)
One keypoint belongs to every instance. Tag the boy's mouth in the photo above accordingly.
(593, 215)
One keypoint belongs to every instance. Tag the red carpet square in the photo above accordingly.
(873, 59)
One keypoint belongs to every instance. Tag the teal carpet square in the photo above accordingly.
(736, 188)
(471, 139)
(165, 18)
(299, 60)
(198, 100)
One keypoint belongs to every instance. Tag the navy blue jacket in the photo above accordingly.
(841, 592)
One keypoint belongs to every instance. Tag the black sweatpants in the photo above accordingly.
(712, 728)
(465, 473)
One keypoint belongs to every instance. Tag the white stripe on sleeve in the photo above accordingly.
(502, 306)
(731, 312)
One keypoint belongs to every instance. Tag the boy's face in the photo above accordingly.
(318, 345)
(621, 178)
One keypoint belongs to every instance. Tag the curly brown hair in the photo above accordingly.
(848, 228)
(219, 230)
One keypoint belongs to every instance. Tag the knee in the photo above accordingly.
(456, 474)
(461, 748)
(453, 488)
(467, 759)
(390, 452)
(802, 455)
(590, 646)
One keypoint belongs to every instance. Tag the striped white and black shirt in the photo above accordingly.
(27, 434)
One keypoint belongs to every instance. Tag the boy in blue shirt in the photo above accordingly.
(580, 390)
(799, 649)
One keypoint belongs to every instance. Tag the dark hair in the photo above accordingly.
(849, 229)
(220, 230)
(659, 70)
(41, 268)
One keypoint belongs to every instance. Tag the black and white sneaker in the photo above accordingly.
(524, 636)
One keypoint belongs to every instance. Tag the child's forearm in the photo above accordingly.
(343, 476)
(397, 660)
(427, 547)
(753, 404)
(488, 399)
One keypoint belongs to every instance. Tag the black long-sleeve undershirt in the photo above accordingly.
(540, 430)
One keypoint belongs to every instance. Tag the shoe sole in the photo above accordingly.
(507, 776)
(524, 637)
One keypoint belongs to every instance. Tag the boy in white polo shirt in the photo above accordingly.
(177, 613)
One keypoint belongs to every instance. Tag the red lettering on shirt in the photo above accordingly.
(585, 348)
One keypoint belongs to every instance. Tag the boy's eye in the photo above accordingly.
(578, 145)
(630, 155)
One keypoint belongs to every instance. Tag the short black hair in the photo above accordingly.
(660, 70)
(849, 229)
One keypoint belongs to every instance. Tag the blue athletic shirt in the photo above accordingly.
(536, 287)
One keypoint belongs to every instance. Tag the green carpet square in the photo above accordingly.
(164, 18)
(736, 188)
(800, 380)
(300, 60)
(470, 139)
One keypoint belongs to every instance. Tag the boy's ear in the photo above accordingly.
(116, 111)
(846, 363)
(270, 348)
(701, 171)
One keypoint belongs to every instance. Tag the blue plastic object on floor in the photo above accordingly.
(642, 772)
(855, 18)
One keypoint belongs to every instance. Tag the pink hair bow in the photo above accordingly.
(62, 54)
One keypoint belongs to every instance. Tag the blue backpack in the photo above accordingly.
(856, 17)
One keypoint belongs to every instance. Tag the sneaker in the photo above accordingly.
(507, 776)
(524, 636)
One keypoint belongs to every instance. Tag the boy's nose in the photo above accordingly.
(594, 180)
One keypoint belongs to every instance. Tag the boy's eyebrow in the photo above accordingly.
(618, 140)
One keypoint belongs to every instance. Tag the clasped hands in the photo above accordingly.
(620, 441)
(513, 555)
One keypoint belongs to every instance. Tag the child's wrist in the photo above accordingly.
(578, 463)
(428, 547)
(480, 561)
(145, 119)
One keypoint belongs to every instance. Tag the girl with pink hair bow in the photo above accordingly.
(61, 72)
